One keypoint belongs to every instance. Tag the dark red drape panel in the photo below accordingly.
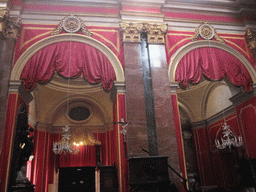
(85, 157)
(215, 64)
(70, 59)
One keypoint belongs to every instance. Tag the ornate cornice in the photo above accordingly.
(9, 27)
(206, 32)
(132, 32)
(251, 38)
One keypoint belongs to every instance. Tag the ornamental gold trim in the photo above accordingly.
(155, 32)
(9, 27)
(71, 24)
(251, 38)
(206, 32)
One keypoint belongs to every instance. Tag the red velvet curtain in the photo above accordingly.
(85, 157)
(69, 59)
(215, 64)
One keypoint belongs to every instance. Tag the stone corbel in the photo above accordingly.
(9, 27)
(251, 38)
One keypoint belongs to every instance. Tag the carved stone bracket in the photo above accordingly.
(9, 27)
(71, 24)
(132, 32)
(251, 38)
(206, 32)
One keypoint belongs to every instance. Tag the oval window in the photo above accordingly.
(79, 113)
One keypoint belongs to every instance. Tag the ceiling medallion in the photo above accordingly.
(206, 32)
(71, 24)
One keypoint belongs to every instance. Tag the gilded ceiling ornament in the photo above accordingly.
(156, 33)
(131, 31)
(206, 32)
(251, 38)
(9, 27)
(71, 24)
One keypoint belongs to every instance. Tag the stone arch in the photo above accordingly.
(175, 59)
(26, 55)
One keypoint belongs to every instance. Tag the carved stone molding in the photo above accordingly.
(206, 32)
(132, 32)
(251, 38)
(71, 24)
(9, 27)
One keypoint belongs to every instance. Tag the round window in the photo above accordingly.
(79, 113)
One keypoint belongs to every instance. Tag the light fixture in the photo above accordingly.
(228, 138)
(64, 145)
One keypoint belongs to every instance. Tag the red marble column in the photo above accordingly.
(169, 136)
(135, 101)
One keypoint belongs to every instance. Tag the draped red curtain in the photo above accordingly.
(69, 59)
(85, 157)
(215, 64)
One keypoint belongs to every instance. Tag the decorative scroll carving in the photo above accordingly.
(206, 32)
(132, 32)
(251, 38)
(156, 33)
(71, 24)
(9, 27)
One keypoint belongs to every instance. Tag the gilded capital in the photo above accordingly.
(131, 32)
(251, 38)
(9, 27)
(156, 33)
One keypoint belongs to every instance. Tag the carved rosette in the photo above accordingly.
(71, 24)
(132, 32)
(206, 32)
(9, 27)
(251, 38)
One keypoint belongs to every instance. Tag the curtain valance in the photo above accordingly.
(215, 64)
(69, 59)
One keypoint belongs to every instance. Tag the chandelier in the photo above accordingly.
(64, 144)
(228, 138)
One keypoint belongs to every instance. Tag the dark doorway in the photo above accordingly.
(78, 179)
